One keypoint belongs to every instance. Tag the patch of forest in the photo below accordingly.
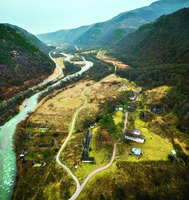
(70, 68)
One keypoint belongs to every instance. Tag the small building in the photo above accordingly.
(135, 138)
(85, 155)
(88, 159)
(119, 108)
(173, 152)
(137, 151)
(136, 131)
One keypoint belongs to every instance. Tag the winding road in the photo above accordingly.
(79, 187)
(7, 155)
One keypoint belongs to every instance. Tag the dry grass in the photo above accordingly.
(182, 145)
(155, 95)
(118, 117)
(119, 64)
(57, 112)
(59, 61)
(98, 94)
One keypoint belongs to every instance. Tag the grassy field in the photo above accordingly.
(72, 155)
(155, 95)
(57, 111)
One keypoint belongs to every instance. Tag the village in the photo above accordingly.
(115, 125)
(135, 140)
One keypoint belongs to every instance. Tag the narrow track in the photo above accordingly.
(79, 187)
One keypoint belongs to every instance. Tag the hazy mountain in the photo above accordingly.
(64, 36)
(113, 30)
(22, 63)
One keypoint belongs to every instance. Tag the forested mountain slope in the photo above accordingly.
(158, 54)
(115, 29)
(164, 41)
(22, 63)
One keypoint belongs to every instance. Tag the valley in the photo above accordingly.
(50, 127)
(97, 112)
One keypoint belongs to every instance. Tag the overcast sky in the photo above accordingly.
(42, 16)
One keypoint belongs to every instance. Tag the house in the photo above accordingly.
(137, 151)
(136, 132)
(85, 155)
(134, 137)
(88, 159)
(119, 108)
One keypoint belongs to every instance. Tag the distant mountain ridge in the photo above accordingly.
(23, 61)
(115, 29)
(64, 36)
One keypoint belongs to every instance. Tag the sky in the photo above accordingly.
(43, 16)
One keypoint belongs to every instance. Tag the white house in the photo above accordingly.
(134, 137)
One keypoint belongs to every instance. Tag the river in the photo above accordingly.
(7, 154)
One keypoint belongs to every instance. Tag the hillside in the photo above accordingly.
(23, 60)
(164, 41)
(159, 55)
(113, 30)
(31, 38)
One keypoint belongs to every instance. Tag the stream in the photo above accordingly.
(7, 154)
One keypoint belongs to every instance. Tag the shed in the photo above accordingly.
(137, 151)
(88, 159)
(173, 152)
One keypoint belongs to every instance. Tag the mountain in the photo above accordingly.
(23, 61)
(164, 41)
(64, 36)
(31, 38)
(158, 54)
(113, 30)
